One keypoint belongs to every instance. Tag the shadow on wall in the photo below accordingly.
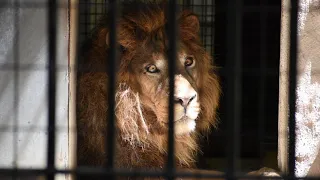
(23, 91)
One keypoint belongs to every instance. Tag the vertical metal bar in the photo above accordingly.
(86, 15)
(111, 86)
(212, 27)
(203, 35)
(192, 5)
(171, 29)
(105, 5)
(16, 74)
(205, 22)
(95, 12)
(187, 3)
(234, 83)
(52, 21)
(263, 34)
(292, 85)
(73, 68)
(16, 59)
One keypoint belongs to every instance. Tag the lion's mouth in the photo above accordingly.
(184, 125)
(183, 118)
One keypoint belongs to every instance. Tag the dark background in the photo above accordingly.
(260, 57)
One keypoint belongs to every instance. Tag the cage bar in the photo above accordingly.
(262, 92)
(113, 5)
(52, 33)
(292, 86)
(234, 84)
(16, 59)
(234, 77)
(212, 28)
(73, 70)
(124, 173)
(171, 30)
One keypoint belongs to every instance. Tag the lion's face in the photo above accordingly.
(151, 72)
(144, 82)
(196, 91)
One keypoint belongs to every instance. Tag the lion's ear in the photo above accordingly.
(125, 39)
(189, 21)
(103, 39)
(100, 37)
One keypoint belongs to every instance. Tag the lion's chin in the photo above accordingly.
(184, 126)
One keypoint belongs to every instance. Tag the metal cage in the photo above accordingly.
(233, 73)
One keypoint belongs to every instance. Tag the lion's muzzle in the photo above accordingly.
(187, 106)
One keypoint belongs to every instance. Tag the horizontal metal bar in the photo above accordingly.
(246, 8)
(43, 67)
(124, 172)
(34, 128)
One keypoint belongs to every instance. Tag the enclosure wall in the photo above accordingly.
(24, 84)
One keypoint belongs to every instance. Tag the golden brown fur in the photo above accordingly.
(141, 108)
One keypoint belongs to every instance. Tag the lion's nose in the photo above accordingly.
(184, 92)
(184, 101)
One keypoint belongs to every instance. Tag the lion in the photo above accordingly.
(142, 91)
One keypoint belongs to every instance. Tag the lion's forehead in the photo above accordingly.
(161, 60)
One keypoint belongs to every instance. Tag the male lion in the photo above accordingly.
(142, 91)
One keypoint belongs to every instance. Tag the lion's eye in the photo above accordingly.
(152, 68)
(189, 61)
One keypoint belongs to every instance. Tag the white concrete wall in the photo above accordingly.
(308, 88)
(26, 107)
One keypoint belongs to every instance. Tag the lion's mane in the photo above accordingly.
(139, 143)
